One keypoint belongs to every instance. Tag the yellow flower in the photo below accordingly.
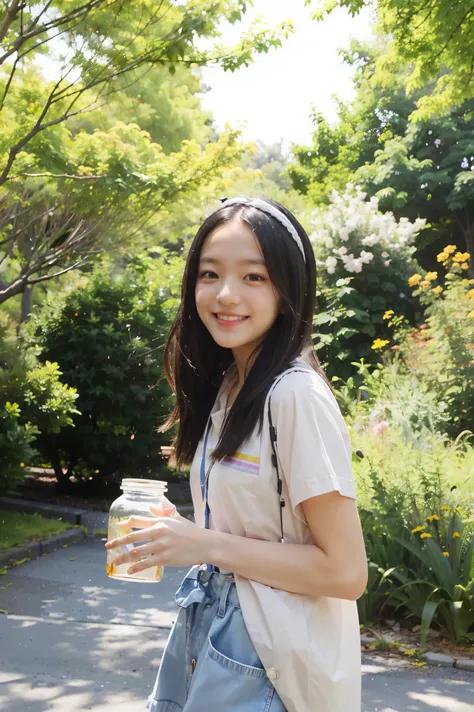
(461, 257)
(414, 279)
(22, 464)
(445, 553)
(470, 294)
(437, 290)
(470, 315)
(424, 283)
(432, 517)
(442, 257)
(464, 265)
(418, 664)
(410, 651)
(450, 249)
(444, 508)
(456, 534)
(431, 275)
(390, 312)
(418, 529)
(425, 535)
(379, 343)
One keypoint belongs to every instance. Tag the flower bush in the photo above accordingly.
(440, 352)
(352, 233)
(416, 506)
(364, 259)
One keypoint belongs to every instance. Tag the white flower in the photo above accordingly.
(385, 255)
(342, 251)
(329, 243)
(331, 263)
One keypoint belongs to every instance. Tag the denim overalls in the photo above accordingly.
(210, 664)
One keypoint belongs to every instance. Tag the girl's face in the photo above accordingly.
(235, 298)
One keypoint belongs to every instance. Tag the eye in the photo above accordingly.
(255, 278)
(207, 274)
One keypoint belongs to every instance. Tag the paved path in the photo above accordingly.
(76, 640)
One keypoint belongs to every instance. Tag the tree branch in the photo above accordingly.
(45, 277)
(55, 175)
(9, 18)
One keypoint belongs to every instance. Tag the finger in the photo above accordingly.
(148, 563)
(137, 522)
(166, 510)
(143, 535)
(136, 554)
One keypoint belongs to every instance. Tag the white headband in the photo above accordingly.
(273, 212)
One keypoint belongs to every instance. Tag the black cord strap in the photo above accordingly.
(273, 441)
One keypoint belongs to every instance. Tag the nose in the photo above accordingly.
(228, 293)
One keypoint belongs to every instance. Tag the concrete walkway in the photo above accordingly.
(74, 639)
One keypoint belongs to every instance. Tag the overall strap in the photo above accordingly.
(274, 441)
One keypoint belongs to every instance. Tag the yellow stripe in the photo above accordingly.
(246, 458)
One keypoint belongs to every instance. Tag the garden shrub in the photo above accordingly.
(33, 401)
(15, 446)
(364, 258)
(108, 338)
(441, 351)
(416, 501)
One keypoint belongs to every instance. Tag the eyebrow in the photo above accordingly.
(252, 261)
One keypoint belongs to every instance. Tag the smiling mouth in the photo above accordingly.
(230, 318)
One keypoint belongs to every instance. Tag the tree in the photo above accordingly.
(106, 187)
(95, 44)
(422, 169)
(52, 190)
(429, 172)
(377, 113)
(167, 106)
(434, 38)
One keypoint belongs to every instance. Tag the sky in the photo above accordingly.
(274, 95)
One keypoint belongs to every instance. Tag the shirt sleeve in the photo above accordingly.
(313, 441)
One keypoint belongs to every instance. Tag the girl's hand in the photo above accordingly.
(175, 541)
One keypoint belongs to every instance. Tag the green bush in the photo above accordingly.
(441, 353)
(416, 502)
(108, 338)
(33, 401)
(15, 446)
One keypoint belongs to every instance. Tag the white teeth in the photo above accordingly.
(230, 318)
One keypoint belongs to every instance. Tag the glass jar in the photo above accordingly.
(137, 498)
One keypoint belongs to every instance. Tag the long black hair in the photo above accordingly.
(195, 364)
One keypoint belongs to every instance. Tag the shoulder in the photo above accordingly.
(301, 385)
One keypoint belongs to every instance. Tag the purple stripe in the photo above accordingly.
(241, 465)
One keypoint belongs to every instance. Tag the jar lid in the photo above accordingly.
(143, 484)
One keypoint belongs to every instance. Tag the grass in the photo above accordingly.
(17, 528)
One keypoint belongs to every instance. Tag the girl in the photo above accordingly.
(268, 619)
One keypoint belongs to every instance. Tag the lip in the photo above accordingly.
(225, 322)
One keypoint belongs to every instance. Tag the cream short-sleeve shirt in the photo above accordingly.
(310, 646)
